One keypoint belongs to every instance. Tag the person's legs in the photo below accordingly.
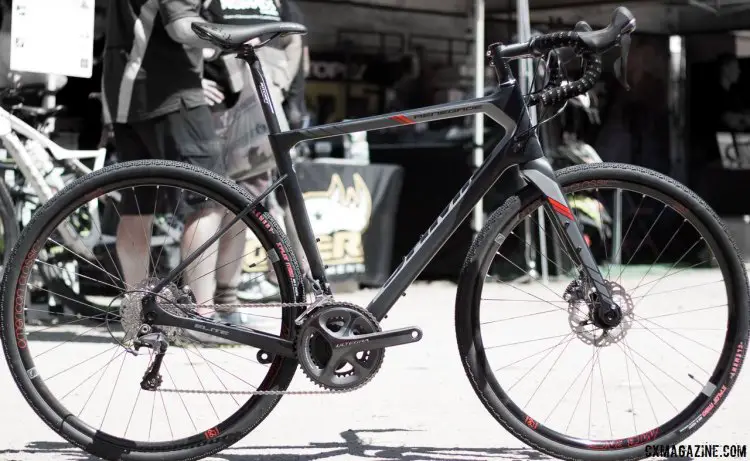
(133, 247)
(189, 137)
(232, 248)
(133, 238)
(199, 275)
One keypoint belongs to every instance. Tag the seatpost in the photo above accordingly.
(247, 54)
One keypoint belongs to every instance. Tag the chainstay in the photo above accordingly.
(222, 307)
(228, 392)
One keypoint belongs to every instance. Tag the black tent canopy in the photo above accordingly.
(663, 17)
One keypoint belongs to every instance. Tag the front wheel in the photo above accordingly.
(562, 385)
(83, 375)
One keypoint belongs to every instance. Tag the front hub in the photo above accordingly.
(605, 316)
(590, 321)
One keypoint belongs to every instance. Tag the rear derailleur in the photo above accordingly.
(155, 340)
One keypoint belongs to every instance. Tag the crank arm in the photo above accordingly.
(264, 341)
(379, 340)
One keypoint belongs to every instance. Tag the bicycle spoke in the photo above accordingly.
(39, 287)
(79, 385)
(529, 356)
(627, 232)
(658, 258)
(87, 261)
(520, 317)
(583, 389)
(537, 363)
(641, 242)
(676, 289)
(132, 411)
(674, 333)
(641, 373)
(575, 380)
(683, 312)
(77, 274)
(80, 363)
(547, 374)
(146, 233)
(606, 404)
(173, 216)
(200, 382)
(66, 342)
(179, 395)
(112, 394)
(166, 415)
(114, 357)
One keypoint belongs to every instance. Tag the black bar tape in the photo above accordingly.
(592, 65)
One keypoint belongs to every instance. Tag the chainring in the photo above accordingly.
(316, 354)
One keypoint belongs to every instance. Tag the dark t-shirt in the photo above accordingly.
(249, 12)
(146, 74)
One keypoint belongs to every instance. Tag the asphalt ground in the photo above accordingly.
(421, 406)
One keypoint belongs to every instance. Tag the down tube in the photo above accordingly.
(444, 226)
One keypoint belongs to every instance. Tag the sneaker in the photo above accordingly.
(258, 289)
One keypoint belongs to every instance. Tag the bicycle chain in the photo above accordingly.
(228, 392)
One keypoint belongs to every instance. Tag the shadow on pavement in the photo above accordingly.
(351, 447)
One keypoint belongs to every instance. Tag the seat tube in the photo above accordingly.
(292, 189)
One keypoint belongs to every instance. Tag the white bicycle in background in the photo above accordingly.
(34, 168)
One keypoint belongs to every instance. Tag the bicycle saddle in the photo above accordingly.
(232, 36)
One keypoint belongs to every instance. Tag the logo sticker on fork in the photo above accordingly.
(560, 208)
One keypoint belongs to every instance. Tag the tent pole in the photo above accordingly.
(525, 74)
(479, 60)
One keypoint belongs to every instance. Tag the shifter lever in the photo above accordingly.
(621, 64)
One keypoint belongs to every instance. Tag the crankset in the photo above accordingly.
(341, 346)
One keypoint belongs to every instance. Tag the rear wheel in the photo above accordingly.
(575, 391)
(82, 375)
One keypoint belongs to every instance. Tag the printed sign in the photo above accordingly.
(53, 37)
(339, 216)
(352, 210)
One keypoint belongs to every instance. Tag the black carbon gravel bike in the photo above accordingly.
(155, 386)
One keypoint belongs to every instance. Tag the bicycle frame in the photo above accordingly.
(518, 147)
(506, 106)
